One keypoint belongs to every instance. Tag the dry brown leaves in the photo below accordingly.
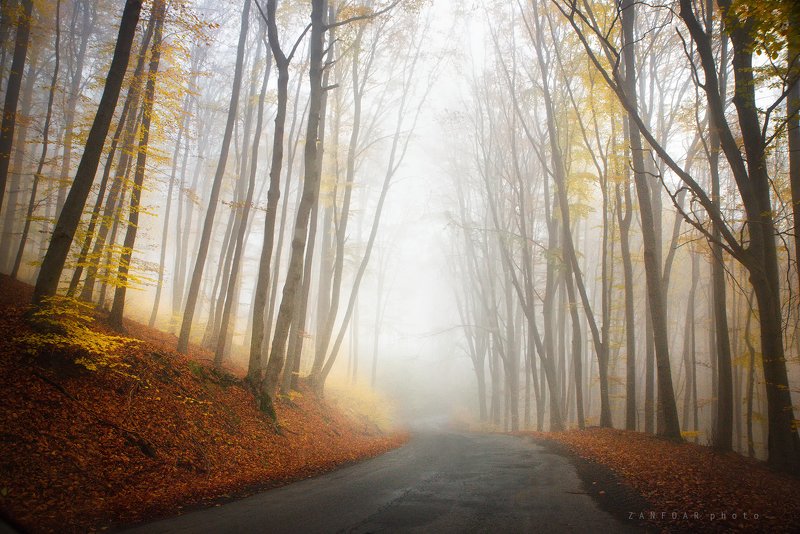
(83, 450)
(718, 492)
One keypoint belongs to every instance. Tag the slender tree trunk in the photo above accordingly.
(87, 24)
(308, 200)
(666, 393)
(11, 215)
(208, 223)
(12, 93)
(273, 195)
(165, 228)
(298, 326)
(45, 139)
(240, 237)
(118, 307)
(341, 230)
(750, 376)
(624, 216)
(723, 422)
(689, 342)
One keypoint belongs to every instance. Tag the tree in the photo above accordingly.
(208, 223)
(282, 62)
(64, 231)
(45, 141)
(12, 93)
(277, 354)
(159, 13)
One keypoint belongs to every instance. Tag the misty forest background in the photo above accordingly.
(617, 194)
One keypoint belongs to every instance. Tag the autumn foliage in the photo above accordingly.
(87, 448)
(717, 492)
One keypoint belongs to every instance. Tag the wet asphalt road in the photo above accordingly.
(440, 482)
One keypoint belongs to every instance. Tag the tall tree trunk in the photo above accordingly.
(165, 227)
(723, 426)
(324, 338)
(793, 125)
(12, 93)
(126, 130)
(87, 25)
(689, 343)
(308, 200)
(118, 307)
(396, 155)
(208, 223)
(11, 215)
(666, 393)
(219, 353)
(273, 195)
(298, 327)
(64, 232)
(625, 215)
(751, 351)
(45, 140)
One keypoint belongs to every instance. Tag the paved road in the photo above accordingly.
(439, 482)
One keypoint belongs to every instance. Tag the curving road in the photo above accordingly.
(440, 482)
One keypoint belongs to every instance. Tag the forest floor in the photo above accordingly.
(681, 487)
(151, 435)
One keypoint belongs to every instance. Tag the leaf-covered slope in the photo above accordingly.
(82, 449)
(706, 490)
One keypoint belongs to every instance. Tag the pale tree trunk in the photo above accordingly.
(219, 353)
(396, 155)
(230, 278)
(751, 351)
(87, 25)
(559, 175)
(184, 223)
(165, 227)
(689, 346)
(323, 341)
(208, 223)
(64, 232)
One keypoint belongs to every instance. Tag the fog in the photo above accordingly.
(490, 125)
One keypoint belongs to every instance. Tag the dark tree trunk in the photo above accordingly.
(312, 158)
(273, 195)
(64, 232)
(13, 87)
(45, 140)
(624, 215)
(666, 394)
(12, 216)
(118, 307)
